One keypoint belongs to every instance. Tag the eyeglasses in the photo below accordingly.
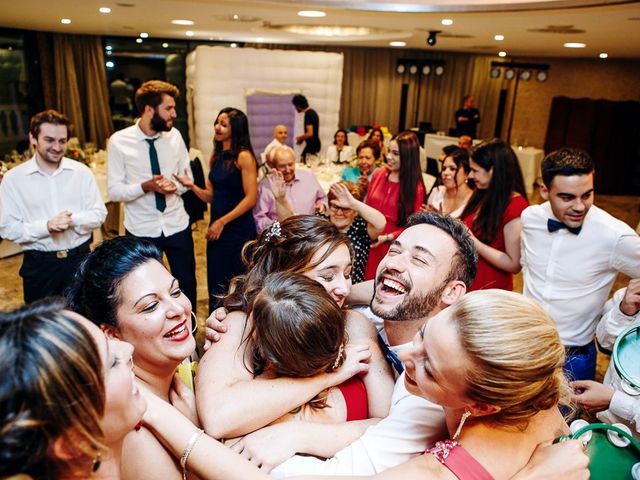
(391, 356)
(336, 209)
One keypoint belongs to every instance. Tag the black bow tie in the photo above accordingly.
(554, 226)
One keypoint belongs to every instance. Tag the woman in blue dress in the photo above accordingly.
(232, 189)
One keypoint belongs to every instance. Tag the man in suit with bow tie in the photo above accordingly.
(571, 254)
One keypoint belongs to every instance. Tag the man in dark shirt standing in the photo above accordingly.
(311, 127)
(467, 117)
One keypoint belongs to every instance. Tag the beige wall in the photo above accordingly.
(597, 79)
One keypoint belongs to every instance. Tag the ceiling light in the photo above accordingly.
(138, 40)
(575, 45)
(502, 54)
(108, 47)
(439, 70)
(413, 69)
(144, 35)
(311, 13)
(189, 33)
(109, 52)
(498, 37)
(509, 74)
(104, 10)
(65, 21)
(398, 44)
(260, 40)
(446, 21)
(400, 69)
(165, 45)
(234, 45)
(494, 72)
(110, 64)
(426, 70)
(604, 55)
(541, 76)
(182, 22)
(236, 16)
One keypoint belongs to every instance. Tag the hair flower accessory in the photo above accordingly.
(274, 231)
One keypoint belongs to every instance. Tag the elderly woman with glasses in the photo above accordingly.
(357, 220)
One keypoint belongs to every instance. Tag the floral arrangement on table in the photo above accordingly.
(74, 151)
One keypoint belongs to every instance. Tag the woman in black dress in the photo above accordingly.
(232, 189)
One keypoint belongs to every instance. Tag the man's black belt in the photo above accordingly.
(60, 254)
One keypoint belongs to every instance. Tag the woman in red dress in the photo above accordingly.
(397, 191)
(493, 213)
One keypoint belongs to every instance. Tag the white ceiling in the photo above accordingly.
(605, 26)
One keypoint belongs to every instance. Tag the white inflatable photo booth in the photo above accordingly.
(219, 77)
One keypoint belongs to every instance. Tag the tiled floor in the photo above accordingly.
(625, 208)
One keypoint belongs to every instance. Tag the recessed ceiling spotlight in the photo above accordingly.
(413, 69)
(498, 37)
(400, 69)
(502, 54)
(189, 33)
(234, 45)
(104, 10)
(260, 40)
(398, 44)
(108, 47)
(439, 70)
(426, 69)
(182, 22)
(575, 45)
(312, 13)
(604, 55)
(109, 52)
(446, 21)
(144, 35)
(138, 40)
(110, 64)
(165, 45)
(65, 21)
(236, 16)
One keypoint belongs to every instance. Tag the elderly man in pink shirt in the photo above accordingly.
(287, 191)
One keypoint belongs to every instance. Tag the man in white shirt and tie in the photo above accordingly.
(571, 254)
(50, 205)
(142, 160)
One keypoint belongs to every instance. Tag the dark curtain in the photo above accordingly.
(609, 131)
(74, 82)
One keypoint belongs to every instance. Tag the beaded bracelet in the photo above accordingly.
(187, 450)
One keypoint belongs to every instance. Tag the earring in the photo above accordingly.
(465, 415)
(194, 323)
(96, 462)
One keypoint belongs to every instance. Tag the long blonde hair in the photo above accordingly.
(515, 355)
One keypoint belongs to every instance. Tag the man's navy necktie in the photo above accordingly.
(554, 226)
(161, 202)
(390, 355)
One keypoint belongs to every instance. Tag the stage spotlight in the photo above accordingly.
(541, 76)
(431, 39)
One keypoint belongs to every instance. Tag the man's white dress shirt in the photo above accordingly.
(413, 425)
(129, 166)
(569, 275)
(29, 198)
(624, 408)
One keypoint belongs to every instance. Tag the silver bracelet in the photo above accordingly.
(187, 450)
